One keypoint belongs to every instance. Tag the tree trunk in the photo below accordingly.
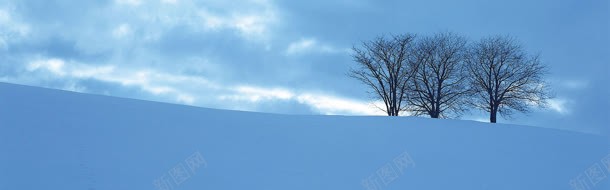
(492, 115)
(434, 115)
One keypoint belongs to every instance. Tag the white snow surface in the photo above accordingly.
(53, 139)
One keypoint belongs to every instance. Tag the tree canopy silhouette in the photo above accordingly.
(385, 68)
(438, 87)
(504, 78)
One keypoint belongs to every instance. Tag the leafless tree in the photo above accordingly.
(384, 67)
(504, 77)
(438, 88)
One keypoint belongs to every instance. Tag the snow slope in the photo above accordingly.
(52, 139)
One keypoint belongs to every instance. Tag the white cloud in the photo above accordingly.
(559, 106)
(146, 80)
(185, 99)
(11, 29)
(11, 25)
(129, 2)
(160, 90)
(169, 1)
(255, 94)
(74, 87)
(331, 105)
(121, 31)
(4, 16)
(251, 20)
(300, 46)
(481, 119)
(55, 66)
(321, 103)
(189, 89)
(211, 21)
(249, 24)
(309, 45)
(576, 84)
(86, 71)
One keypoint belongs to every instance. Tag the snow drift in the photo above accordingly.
(53, 139)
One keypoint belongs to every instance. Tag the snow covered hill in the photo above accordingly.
(52, 139)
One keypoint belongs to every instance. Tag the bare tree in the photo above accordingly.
(504, 78)
(384, 67)
(438, 88)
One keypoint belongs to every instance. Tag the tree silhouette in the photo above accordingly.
(504, 78)
(384, 67)
(438, 88)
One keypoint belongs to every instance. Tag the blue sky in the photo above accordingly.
(289, 56)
